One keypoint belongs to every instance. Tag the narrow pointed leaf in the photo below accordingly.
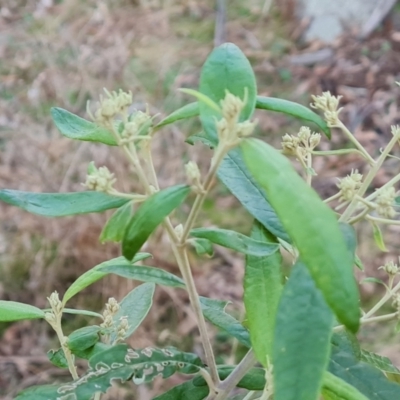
(135, 306)
(187, 111)
(123, 363)
(114, 229)
(14, 311)
(43, 392)
(312, 226)
(346, 363)
(61, 204)
(82, 339)
(226, 68)
(235, 175)
(202, 138)
(202, 246)
(302, 338)
(380, 362)
(262, 290)
(203, 99)
(337, 389)
(94, 274)
(185, 391)
(236, 241)
(378, 237)
(57, 358)
(214, 311)
(293, 109)
(253, 380)
(74, 127)
(145, 274)
(150, 214)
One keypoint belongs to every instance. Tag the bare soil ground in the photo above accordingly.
(62, 53)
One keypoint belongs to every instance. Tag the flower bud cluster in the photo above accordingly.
(194, 177)
(329, 105)
(302, 144)
(122, 329)
(57, 307)
(99, 179)
(396, 302)
(135, 127)
(349, 185)
(115, 103)
(229, 129)
(385, 201)
(390, 268)
(112, 307)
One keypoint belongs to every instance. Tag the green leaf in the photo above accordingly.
(83, 339)
(397, 201)
(81, 312)
(335, 388)
(293, 109)
(253, 380)
(262, 290)
(312, 226)
(346, 364)
(57, 358)
(203, 99)
(359, 264)
(94, 274)
(150, 214)
(236, 241)
(14, 311)
(185, 391)
(234, 174)
(187, 111)
(378, 237)
(200, 137)
(202, 246)
(114, 229)
(302, 338)
(380, 362)
(123, 363)
(74, 127)
(44, 392)
(372, 280)
(214, 311)
(61, 204)
(197, 388)
(145, 274)
(135, 306)
(226, 68)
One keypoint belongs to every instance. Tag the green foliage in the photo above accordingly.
(96, 273)
(144, 274)
(74, 127)
(293, 109)
(311, 225)
(302, 338)
(61, 204)
(289, 322)
(236, 241)
(214, 311)
(14, 311)
(262, 284)
(114, 229)
(149, 215)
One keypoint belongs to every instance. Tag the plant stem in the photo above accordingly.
(336, 152)
(383, 220)
(380, 318)
(68, 356)
(356, 143)
(309, 168)
(220, 153)
(368, 179)
(236, 375)
(386, 185)
(381, 302)
(334, 197)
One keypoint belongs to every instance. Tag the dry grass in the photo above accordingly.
(62, 53)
